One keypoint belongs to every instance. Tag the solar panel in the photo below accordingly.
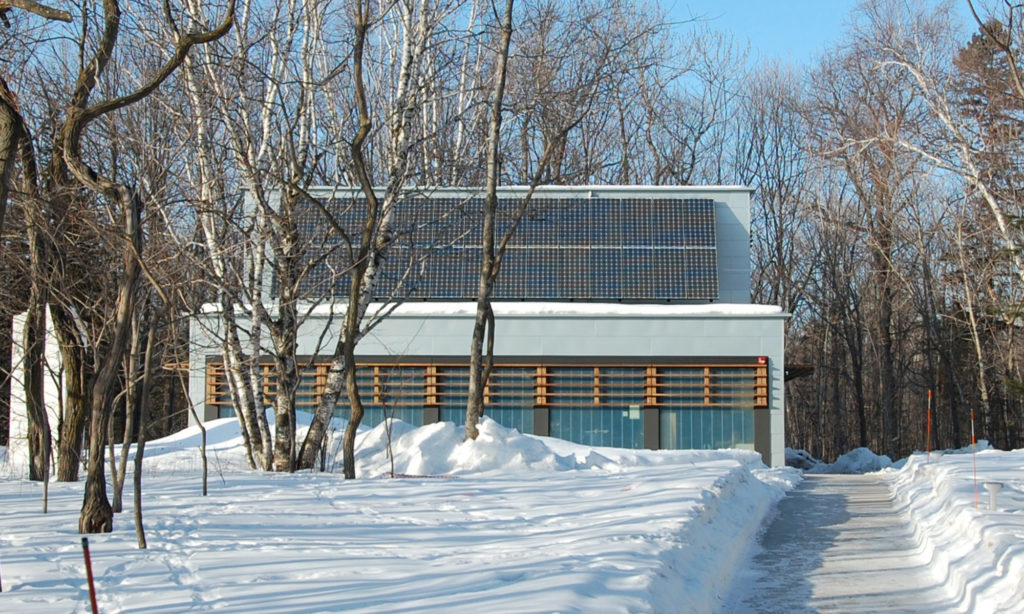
(586, 249)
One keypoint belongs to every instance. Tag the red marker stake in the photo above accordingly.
(88, 574)
(974, 459)
(928, 441)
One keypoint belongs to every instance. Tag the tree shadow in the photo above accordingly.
(793, 546)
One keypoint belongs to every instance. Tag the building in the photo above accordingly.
(623, 318)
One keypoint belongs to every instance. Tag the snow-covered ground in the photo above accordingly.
(977, 551)
(508, 523)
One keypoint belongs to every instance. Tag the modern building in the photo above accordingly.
(623, 318)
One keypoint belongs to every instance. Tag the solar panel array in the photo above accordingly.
(582, 249)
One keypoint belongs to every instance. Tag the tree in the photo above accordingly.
(15, 145)
(556, 91)
(125, 204)
(12, 125)
(860, 107)
(480, 362)
(368, 245)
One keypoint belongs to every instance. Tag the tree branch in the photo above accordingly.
(34, 7)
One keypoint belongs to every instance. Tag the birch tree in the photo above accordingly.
(380, 194)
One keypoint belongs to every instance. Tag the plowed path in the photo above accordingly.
(839, 545)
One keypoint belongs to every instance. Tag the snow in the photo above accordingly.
(858, 460)
(506, 523)
(979, 552)
(509, 523)
(584, 309)
(506, 309)
(976, 553)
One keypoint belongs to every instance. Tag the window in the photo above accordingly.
(708, 405)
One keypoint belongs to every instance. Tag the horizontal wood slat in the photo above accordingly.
(550, 385)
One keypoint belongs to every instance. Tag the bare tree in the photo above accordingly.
(370, 243)
(126, 204)
(12, 124)
(481, 361)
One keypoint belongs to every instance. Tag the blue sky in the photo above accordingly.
(788, 30)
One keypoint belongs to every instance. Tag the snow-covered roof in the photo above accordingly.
(513, 309)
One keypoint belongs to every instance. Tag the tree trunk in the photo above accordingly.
(316, 436)
(284, 413)
(140, 448)
(355, 416)
(483, 325)
(39, 438)
(477, 382)
(97, 515)
(10, 133)
(72, 425)
(242, 400)
(6, 343)
(132, 400)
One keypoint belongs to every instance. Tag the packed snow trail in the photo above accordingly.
(839, 545)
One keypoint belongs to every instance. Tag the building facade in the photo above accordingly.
(623, 319)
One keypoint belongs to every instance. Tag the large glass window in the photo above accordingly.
(706, 429)
(510, 397)
(452, 393)
(390, 391)
(707, 407)
(700, 406)
(577, 413)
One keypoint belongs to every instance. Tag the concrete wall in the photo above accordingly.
(52, 391)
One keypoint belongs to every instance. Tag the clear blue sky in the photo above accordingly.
(788, 30)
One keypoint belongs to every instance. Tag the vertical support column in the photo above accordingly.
(431, 401)
(762, 413)
(320, 381)
(707, 385)
(651, 410)
(763, 435)
(652, 428)
(377, 389)
(651, 386)
(211, 409)
(761, 387)
(269, 391)
(541, 412)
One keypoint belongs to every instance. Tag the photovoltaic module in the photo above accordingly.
(565, 249)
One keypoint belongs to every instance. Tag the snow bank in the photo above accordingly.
(800, 459)
(979, 552)
(859, 460)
